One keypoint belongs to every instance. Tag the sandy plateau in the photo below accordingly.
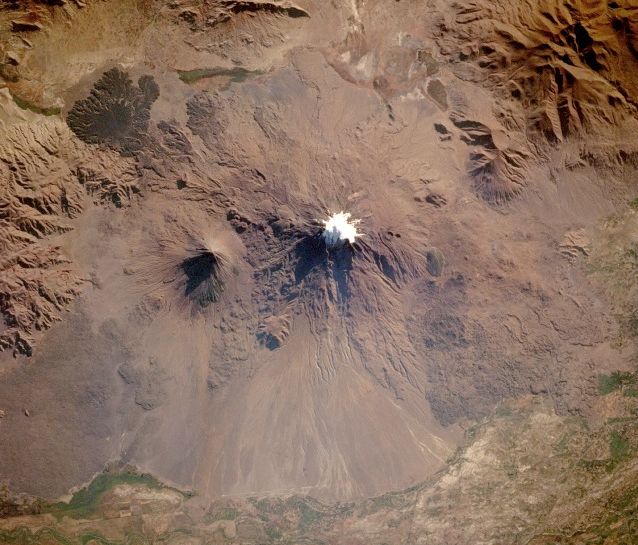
(187, 358)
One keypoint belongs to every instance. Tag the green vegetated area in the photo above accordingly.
(26, 105)
(594, 499)
(298, 514)
(617, 524)
(620, 525)
(222, 513)
(50, 536)
(596, 461)
(615, 263)
(618, 381)
(619, 447)
(236, 74)
(621, 444)
(86, 501)
(84, 504)
(24, 536)
(614, 521)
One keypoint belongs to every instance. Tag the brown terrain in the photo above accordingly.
(185, 361)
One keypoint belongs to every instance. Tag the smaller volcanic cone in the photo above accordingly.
(204, 269)
(339, 229)
(190, 265)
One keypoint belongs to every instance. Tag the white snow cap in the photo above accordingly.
(339, 228)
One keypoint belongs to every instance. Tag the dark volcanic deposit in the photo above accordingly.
(186, 359)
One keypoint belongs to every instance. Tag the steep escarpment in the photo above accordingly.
(49, 181)
(555, 70)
